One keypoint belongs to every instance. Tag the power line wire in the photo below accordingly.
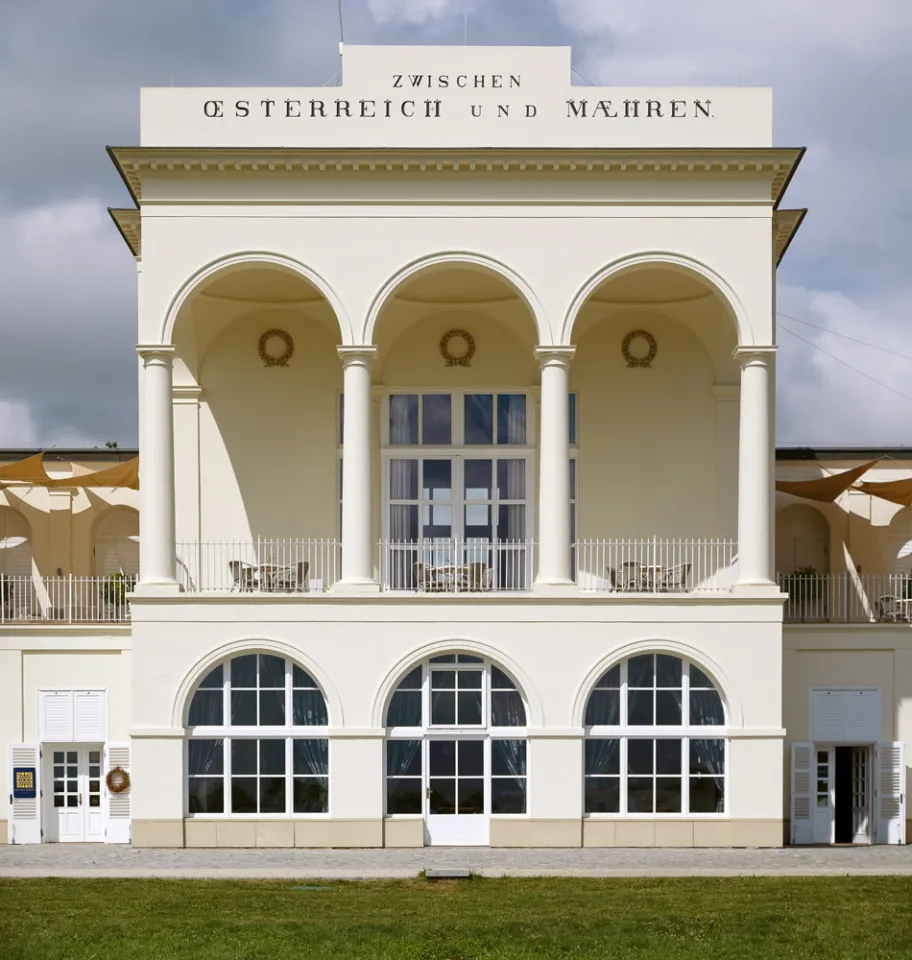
(844, 336)
(833, 356)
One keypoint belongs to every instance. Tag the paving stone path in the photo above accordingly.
(98, 860)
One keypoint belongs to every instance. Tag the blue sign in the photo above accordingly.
(24, 783)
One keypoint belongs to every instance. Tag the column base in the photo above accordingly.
(157, 588)
(554, 586)
(757, 588)
(356, 587)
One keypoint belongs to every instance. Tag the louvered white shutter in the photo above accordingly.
(89, 716)
(802, 793)
(117, 805)
(25, 812)
(827, 726)
(861, 715)
(890, 792)
(56, 716)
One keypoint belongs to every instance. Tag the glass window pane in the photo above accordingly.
(272, 708)
(412, 680)
(469, 708)
(310, 757)
(468, 658)
(507, 709)
(205, 757)
(311, 795)
(243, 756)
(443, 708)
(243, 671)
(214, 678)
(479, 418)
(243, 708)
(508, 795)
(341, 418)
(706, 709)
(468, 679)
(707, 757)
(500, 681)
(470, 754)
(603, 794)
(403, 758)
(639, 795)
(436, 419)
(403, 480)
(403, 419)
(668, 671)
(511, 479)
(668, 707)
(442, 796)
(508, 758)
(243, 795)
(301, 678)
(668, 794)
(272, 757)
(308, 709)
(404, 709)
(511, 418)
(639, 756)
(640, 708)
(478, 521)
(640, 671)
(603, 756)
(404, 796)
(572, 399)
(471, 796)
(478, 479)
(668, 756)
(443, 679)
(207, 709)
(707, 795)
(437, 483)
(604, 708)
(206, 794)
(611, 678)
(58, 756)
(699, 679)
(272, 671)
(442, 758)
(511, 525)
(272, 794)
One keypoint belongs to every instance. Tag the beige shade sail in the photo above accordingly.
(896, 491)
(29, 470)
(826, 489)
(120, 475)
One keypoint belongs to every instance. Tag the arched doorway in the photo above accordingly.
(456, 749)
(15, 544)
(802, 540)
(117, 543)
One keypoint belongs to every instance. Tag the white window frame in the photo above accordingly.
(227, 733)
(685, 732)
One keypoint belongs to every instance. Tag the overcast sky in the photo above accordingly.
(70, 74)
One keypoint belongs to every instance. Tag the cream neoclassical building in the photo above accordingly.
(458, 509)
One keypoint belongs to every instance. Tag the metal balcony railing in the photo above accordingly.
(847, 597)
(65, 599)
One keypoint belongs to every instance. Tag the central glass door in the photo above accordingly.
(76, 815)
(455, 791)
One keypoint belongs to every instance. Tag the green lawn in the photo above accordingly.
(456, 920)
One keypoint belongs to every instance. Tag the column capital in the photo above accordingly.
(750, 354)
(156, 351)
(363, 354)
(560, 354)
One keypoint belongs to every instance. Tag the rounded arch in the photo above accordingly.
(238, 261)
(15, 543)
(199, 670)
(802, 539)
(713, 670)
(741, 322)
(453, 645)
(115, 541)
(461, 259)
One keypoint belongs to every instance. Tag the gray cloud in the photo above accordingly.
(71, 75)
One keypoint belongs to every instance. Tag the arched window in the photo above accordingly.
(117, 543)
(655, 740)
(257, 740)
(15, 544)
(456, 747)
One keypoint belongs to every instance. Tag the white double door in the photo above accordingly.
(457, 795)
(72, 783)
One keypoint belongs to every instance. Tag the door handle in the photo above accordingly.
(80, 799)
(427, 793)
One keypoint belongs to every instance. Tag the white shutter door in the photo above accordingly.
(56, 716)
(890, 789)
(117, 805)
(89, 712)
(861, 715)
(802, 792)
(827, 726)
(25, 813)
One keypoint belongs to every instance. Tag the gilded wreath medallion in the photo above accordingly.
(644, 360)
(273, 359)
(463, 359)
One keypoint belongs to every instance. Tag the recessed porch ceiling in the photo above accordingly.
(456, 285)
(651, 285)
(262, 285)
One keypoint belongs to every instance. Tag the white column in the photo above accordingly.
(554, 469)
(755, 478)
(156, 447)
(357, 527)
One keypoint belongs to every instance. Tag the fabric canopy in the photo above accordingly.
(827, 489)
(30, 470)
(120, 475)
(896, 491)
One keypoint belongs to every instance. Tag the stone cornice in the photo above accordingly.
(129, 223)
(785, 226)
